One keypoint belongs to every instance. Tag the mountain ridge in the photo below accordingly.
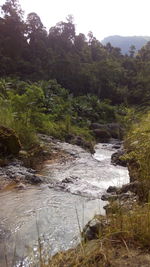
(125, 42)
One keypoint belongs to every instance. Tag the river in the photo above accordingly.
(53, 213)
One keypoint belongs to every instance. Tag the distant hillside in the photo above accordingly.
(125, 42)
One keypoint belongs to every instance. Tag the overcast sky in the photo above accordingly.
(102, 17)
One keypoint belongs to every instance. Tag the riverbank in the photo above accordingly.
(72, 168)
(112, 251)
(23, 170)
(120, 238)
(72, 189)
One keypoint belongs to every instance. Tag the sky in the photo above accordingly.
(102, 17)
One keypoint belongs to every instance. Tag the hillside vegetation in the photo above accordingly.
(80, 64)
(45, 107)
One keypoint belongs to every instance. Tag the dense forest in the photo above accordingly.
(80, 64)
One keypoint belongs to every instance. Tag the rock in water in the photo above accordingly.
(21, 186)
(117, 159)
(9, 142)
(105, 131)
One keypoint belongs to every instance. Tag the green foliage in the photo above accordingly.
(6, 114)
(82, 65)
(43, 107)
(21, 112)
(83, 132)
(87, 109)
(138, 145)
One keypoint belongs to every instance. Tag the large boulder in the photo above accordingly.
(102, 135)
(93, 228)
(9, 142)
(79, 141)
(107, 131)
(117, 158)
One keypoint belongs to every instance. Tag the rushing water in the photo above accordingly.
(55, 212)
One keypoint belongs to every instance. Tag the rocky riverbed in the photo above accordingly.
(67, 194)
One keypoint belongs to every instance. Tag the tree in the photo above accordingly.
(37, 46)
(12, 36)
(132, 51)
(11, 8)
(64, 33)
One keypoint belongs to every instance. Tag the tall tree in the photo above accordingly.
(13, 40)
(37, 41)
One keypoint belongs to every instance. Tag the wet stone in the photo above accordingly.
(21, 186)
(109, 197)
(112, 189)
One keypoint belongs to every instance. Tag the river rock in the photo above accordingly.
(92, 229)
(127, 195)
(21, 186)
(70, 179)
(102, 135)
(109, 197)
(33, 179)
(105, 131)
(114, 130)
(124, 203)
(15, 171)
(79, 141)
(118, 194)
(9, 142)
(112, 189)
(117, 160)
(133, 187)
(116, 146)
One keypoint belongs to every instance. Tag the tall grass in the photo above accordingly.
(122, 231)
(138, 146)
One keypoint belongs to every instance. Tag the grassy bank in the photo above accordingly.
(123, 239)
(138, 153)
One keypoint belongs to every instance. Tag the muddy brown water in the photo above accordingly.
(56, 211)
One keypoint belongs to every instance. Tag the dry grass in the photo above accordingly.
(125, 239)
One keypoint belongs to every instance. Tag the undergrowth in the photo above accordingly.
(137, 144)
(121, 231)
(45, 107)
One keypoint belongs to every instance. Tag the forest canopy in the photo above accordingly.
(80, 64)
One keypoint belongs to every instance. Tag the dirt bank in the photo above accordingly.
(24, 169)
